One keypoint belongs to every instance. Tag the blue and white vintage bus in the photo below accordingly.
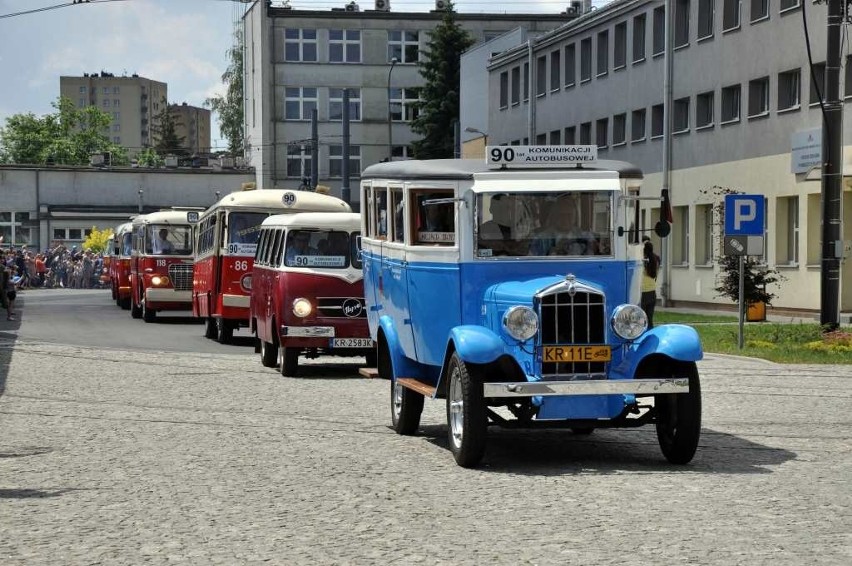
(510, 288)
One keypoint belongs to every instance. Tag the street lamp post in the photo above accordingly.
(393, 63)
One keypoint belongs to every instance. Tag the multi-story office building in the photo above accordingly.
(745, 116)
(193, 125)
(134, 103)
(297, 61)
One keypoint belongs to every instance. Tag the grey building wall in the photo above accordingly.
(269, 134)
(77, 198)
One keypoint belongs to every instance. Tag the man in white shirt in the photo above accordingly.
(161, 243)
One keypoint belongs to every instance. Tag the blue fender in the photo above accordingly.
(476, 344)
(402, 366)
(676, 341)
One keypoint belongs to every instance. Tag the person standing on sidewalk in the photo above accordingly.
(651, 263)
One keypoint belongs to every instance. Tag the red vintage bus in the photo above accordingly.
(226, 241)
(161, 262)
(307, 290)
(119, 265)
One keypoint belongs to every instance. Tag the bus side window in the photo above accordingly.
(434, 223)
(380, 198)
(398, 222)
(260, 254)
(275, 257)
(366, 206)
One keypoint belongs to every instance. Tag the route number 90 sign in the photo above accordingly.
(540, 155)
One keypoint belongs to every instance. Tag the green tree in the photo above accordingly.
(97, 240)
(439, 97)
(68, 136)
(149, 157)
(229, 106)
(165, 131)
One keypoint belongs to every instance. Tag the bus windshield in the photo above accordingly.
(168, 239)
(244, 230)
(333, 249)
(544, 224)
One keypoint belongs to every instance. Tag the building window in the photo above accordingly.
(404, 104)
(680, 233)
(586, 60)
(300, 45)
(401, 152)
(731, 103)
(681, 35)
(637, 125)
(570, 65)
(116, 115)
(13, 231)
(659, 30)
(602, 133)
(704, 230)
(541, 139)
(788, 5)
(116, 139)
(81, 102)
(404, 45)
(541, 76)
(555, 70)
(639, 38)
(335, 104)
(83, 90)
(731, 15)
(299, 102)
(344, 46)
(819, 77)
(516, 85)
(706, 16)
(335, 160)
(105, 90)
(758, 97)
(619, 129)
(526, 81)
(586, 133)
(759, 10)
(787, 230)
(504, 89)
(603, 53)
(556, 137)
(116, 90)
(116, 127)
(619, 55)
(116, 102)
(704, 110)
(570, 135)
(299, 161)
(105, 102)
(789, 90)
(680, 115)
(657, 122)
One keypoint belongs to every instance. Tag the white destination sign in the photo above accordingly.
(540, 155)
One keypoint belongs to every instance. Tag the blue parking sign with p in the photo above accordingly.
(744, 215)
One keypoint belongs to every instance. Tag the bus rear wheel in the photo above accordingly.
(210, 328)
(289, 361)
(224, 331)
(268, 354)
(406, 408)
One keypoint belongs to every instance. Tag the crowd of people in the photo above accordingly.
(56, 266)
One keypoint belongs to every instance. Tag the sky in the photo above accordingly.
(183, 43)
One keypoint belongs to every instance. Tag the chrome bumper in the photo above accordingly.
(168, 296)
(595, 387)
(241, 301)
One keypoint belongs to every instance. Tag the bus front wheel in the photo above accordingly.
(466, 416)
(224, 331)
(289, 361)
(268, 354)
(148, 315)
(210, 327)
(135, 308)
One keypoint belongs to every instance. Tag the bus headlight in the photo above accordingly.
(245, 283)
(521, 323)
(302, 307)
(159, 280)
(629, 321)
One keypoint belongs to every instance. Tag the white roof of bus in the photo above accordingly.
(273, 199)
(162, 217)
(340, 220)
(122, 228)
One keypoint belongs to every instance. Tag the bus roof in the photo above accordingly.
(122, 228)
(343, 220)
(265, 199)
(162, 217)
(461, 169)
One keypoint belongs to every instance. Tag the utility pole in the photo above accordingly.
(832, 173)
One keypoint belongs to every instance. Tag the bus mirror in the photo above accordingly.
(662, 229)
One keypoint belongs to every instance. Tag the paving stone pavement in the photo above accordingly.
(112, 457)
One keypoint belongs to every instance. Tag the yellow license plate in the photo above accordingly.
(561, 354)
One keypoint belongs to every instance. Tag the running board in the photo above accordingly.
(592, 387)
(425, 389)
(371, 373)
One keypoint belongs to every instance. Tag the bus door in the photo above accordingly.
(390, 207)
(243, 231)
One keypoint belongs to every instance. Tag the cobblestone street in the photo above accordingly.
(114, 457)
